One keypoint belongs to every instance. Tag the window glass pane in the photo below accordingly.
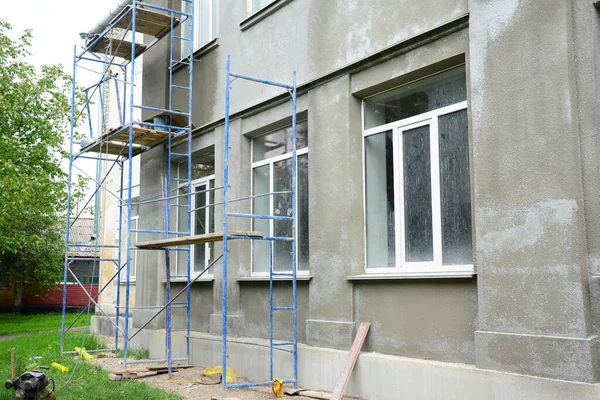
(180, 256)
(200, 228)
(302, 222)
(258, 4)
(455, 189)
(279, 142)
(133, 252)
(282, 251)
(202, 166)
(379, 176)
(260, 205)
(427, 94)
(418, 234)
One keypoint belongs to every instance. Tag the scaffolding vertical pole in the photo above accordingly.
(129, 181)
(69, 189)
(189, 178)
(270, 310)
(225, 190)
(119, 258)
(294, 228)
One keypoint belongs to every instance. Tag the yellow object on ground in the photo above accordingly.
(88, 357)
(59, 367)
(230, 375)
(278, 387)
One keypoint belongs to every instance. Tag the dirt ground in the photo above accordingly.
(185, 383)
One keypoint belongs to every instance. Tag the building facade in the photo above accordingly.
(448, 192)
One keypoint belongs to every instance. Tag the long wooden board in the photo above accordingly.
(340, 387)
(197, 239)
(114, 46)
(148, 22)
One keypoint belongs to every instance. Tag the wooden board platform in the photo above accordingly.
(115, 141)
(148, 22)
(197, 239)
(340, 387)
(116, 47)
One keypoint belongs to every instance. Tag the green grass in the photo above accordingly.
(19, 323)
(87, 382)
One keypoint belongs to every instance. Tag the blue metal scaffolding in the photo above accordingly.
(273, 345)
(117, 147)
(115, 38)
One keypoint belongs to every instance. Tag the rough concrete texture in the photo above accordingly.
(529, 208)
(533, 118)
(377, 376)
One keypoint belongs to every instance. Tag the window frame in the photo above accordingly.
(270, 162)
(208, 181)
(433, 268)
(212, 26)
(251, 10)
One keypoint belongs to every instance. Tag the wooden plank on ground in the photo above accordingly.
(340, 387)
(197, 239)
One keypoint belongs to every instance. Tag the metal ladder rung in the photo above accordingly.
(178, 179)
(282, 344)
(180, 87)
(174, 62)
(181, 38)
(179, 205)
(283, 308)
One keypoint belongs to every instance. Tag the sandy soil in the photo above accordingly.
(185, 383)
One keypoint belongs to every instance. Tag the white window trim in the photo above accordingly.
(197, 26)
(271, 161)
(207, 180)
(433, 268)
(134, 251)
(250, 6)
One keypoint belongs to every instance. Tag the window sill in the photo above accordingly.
(205, 49)
(275, 278)
(180, 280)
(416, 275)
(263, 13)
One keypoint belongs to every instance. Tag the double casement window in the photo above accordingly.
(417, 181)
(206, 17)
(272, 172)
(202, 215)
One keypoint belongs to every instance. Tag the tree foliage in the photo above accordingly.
(34, 116)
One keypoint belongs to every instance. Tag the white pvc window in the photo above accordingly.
(417, 179)
(206, 18)
(202, 216)
(272, 172)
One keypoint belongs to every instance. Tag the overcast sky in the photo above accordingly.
(56, 25)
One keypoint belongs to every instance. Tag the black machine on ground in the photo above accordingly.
(31, 385)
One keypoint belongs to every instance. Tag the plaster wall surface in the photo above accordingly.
(530, 309)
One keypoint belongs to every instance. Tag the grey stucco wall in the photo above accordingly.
(531, 71)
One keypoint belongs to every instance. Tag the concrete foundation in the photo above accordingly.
(375, 377)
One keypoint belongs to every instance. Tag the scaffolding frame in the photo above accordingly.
(117, 147)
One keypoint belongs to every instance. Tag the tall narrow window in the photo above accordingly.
(417, 179)
(272, 172)
(202, 219)
(206, 21)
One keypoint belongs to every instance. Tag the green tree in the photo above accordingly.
(34, 116)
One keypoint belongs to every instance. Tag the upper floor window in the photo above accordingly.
(417, 179)
(202, 219)
(206, 21)
(272, 172)
(258, 4)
